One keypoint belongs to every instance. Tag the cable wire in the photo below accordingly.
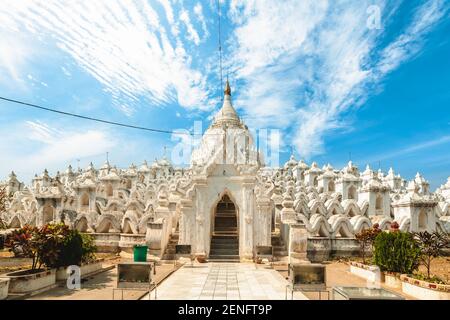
(31, 105)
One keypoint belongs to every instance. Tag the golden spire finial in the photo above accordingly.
(227, 90)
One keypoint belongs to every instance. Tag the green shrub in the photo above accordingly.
(71, 251)
(52, 238)
(77, 248)
(396, 252)
(88, 248)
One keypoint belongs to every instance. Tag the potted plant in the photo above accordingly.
(39, 244)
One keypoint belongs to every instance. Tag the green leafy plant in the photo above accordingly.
(71, 249)
(47, 242)
(53, 245)
(433, 279)
(19, 242)
(396, 252)
(366, 238)
(88, 248)
(431, 246)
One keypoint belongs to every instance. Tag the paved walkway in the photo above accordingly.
(222, 281)
(100, 287)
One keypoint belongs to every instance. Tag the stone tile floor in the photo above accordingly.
(100, 287)
(224, 281)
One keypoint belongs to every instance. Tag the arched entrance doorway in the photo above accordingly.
(225, 237)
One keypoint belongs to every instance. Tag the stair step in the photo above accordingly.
(224, 235)
(224, 246)
(214, 242)
(224, 251)
(224, 257)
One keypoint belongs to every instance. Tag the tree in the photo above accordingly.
(366, 238)
(431, 245)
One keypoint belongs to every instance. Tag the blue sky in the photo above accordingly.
(335, 87)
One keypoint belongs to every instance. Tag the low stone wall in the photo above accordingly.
(128, 241)
(22, 282)
(106, 242)
(4, 286)
(424, 290)
(370, 273)
(392, 280)
(117, 242)
(418, 289)
(322, 248)
(319, 249)
(86, 269)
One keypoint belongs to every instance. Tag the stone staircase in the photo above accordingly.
(225, 240)
(224, 248)
(279, 247)
(169, 253)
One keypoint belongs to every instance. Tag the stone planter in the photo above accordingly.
(370, 273)
(86, 270)
(4, 286)
(392, 280)
(31, 282)
(424, 290)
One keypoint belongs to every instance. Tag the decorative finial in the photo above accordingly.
(227, 90)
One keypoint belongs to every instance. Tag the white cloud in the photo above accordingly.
(170, 17)
(416, 147)
(123, 46)
(62, 146)
(49, 147)
(198, 10)
(410, 42)
(13, 57)
(304, 63)
(192, 34)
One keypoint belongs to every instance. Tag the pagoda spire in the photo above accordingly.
(227, 90)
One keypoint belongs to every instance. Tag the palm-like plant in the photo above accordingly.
(431, 246)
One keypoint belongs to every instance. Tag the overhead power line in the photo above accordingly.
(31, 105)
(220, 48)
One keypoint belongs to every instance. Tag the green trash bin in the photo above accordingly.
(140, 253)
